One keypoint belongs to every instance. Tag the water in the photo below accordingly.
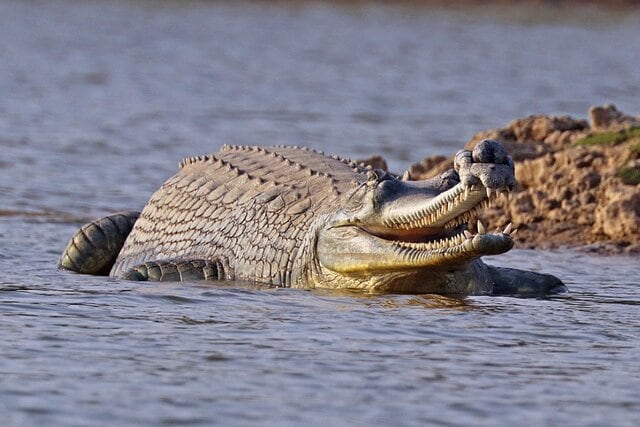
(99, 101)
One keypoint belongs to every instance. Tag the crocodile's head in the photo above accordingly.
(396, 234)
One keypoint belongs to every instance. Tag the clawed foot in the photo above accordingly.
(512, 281)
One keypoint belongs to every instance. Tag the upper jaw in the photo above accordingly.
(447, 210)
(484, 174)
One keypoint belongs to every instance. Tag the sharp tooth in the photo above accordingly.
(467, 234)
(489, 192)
(507, 229)
(481, 228)
(467, 190)
(513, 233)
(406, 176)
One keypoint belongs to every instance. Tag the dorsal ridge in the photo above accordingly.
(190, 160)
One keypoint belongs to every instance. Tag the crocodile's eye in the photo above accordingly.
(356, 199)
(388, 188)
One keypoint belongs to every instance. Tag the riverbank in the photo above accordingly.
(578, 180)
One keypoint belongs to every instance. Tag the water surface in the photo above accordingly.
(99, 101)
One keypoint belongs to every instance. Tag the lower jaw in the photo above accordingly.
(456, 252)
(358, 253)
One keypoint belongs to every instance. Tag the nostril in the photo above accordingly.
(490, 151)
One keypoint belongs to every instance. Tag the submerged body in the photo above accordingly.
(294, 217)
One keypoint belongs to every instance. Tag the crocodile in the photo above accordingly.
(294, 217)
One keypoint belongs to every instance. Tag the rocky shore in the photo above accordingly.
(578, 181)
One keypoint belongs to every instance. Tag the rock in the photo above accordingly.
(607, 117)
(430, 167)
(376, 162)
(617, 214)
(535, 136)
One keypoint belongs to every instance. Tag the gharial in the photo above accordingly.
(293, 217)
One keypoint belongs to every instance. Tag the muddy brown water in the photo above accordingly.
(100, 100)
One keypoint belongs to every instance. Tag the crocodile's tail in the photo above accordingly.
(95, 247)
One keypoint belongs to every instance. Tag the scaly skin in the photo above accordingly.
(292, 217)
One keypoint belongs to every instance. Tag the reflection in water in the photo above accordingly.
(377, 299)
(440, 301)
(430, 301)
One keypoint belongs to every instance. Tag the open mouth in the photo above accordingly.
(432, 239)
(435, 234)
(416, 235)
(446, 226)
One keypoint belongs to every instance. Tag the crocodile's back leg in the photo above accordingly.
(95, 247)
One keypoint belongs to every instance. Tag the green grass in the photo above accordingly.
(635, 148)
(609, 138)
(629, 175)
